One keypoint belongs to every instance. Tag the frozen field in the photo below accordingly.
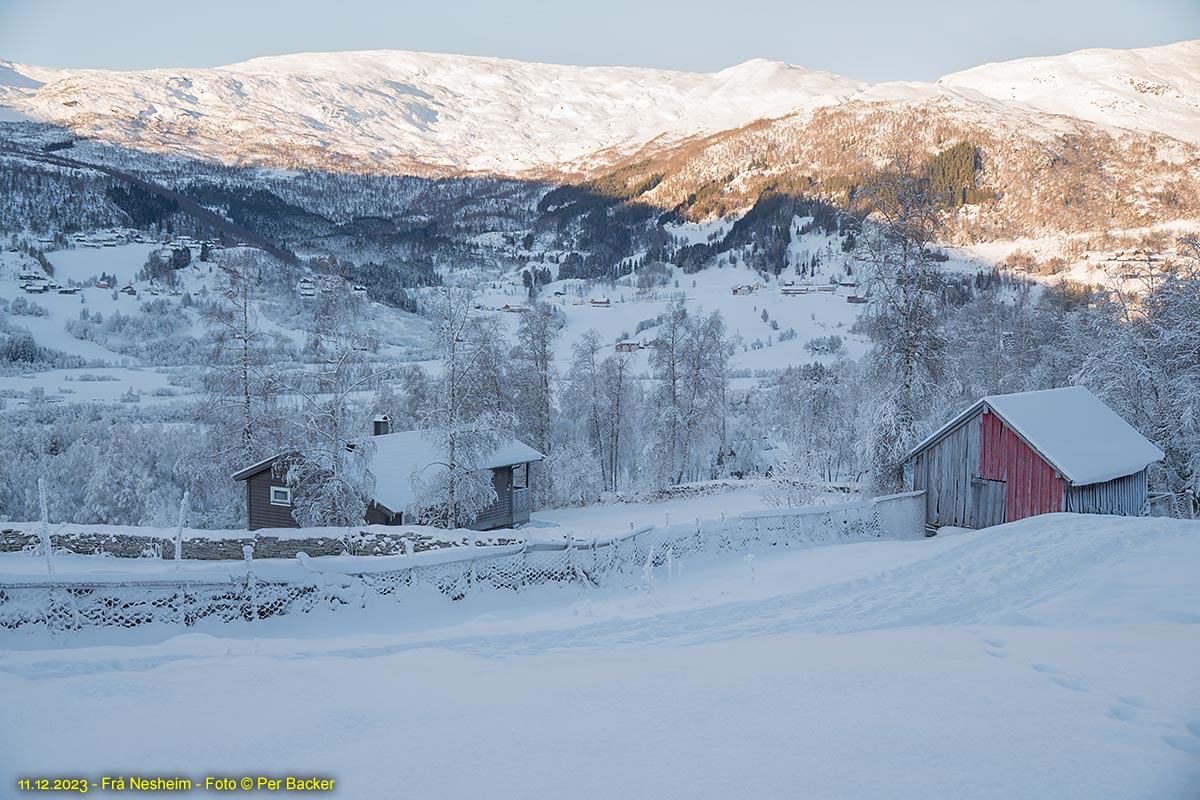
(1054, 657)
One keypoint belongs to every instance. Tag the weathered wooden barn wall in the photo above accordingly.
(1126, 496)
(945, 470)
(1031, 485)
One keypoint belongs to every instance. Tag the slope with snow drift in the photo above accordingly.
(396, 112)
(1051, 657)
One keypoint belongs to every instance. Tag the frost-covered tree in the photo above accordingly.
(794, 482)
(688, 404)
(905, 284)
(329, 468)
(600, 403)
(240, 380)
(582, 398)
(573, 474)
(464, 419)
(1147, 362)
(532, 376)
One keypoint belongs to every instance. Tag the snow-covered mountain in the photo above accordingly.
(1153, 89)
(399, 112)
(398, 109)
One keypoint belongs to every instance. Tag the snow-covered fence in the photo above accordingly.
(1180, 505)
(268, 588)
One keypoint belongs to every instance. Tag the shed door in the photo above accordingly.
(987, 503)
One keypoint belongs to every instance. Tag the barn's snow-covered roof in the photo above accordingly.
(1072, 429)
(398, 455)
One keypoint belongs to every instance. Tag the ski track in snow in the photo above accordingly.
(984, 579)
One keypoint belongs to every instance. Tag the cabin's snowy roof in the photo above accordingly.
(398, 455)
(1080, 436)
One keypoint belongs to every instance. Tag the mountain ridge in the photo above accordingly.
(400, 112)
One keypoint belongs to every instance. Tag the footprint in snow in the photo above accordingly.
(1131, 700)
(1186, 744)
(1070, 682)
(1123, 713)
(1046, 668)
(996, 642)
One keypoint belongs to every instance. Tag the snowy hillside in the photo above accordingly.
(459, 112)
(1153, 89)
(1052, 657)
(397, 112)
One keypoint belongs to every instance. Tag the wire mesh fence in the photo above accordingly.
(1178, 505)
(67, 605)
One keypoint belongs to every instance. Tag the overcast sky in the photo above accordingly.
(865, 39)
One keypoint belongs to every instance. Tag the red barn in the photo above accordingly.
(1013, 456)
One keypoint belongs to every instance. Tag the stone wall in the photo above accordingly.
(215, 549)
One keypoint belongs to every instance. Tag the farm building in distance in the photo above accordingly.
(1013, 456)
(396, 457)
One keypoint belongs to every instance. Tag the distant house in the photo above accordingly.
(854, 298)
(397, 456)
(103, 285)
(743, 290)
(1013, 456)
(129, 290)
(35, 288)
(793, 290)
(628, 346)
(605, 303)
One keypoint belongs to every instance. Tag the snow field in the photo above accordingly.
(1053, 657)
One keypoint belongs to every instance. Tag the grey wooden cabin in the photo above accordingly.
(396, 457)
(1013, 456)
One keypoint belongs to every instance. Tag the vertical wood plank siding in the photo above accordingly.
(1124, 496)
(945, 471)
(1032, 486)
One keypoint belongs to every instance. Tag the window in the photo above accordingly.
(281, 496)
(520, 476)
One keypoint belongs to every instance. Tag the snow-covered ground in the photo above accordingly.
(817, 314)
(1053, 657)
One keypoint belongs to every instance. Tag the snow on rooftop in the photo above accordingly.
(1074, 430)
(398, 455)
(1082, 437)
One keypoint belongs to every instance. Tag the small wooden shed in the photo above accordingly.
(1013, 456)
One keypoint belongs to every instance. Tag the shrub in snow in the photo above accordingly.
(825, 345)
(20, 307)
(793, 483)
